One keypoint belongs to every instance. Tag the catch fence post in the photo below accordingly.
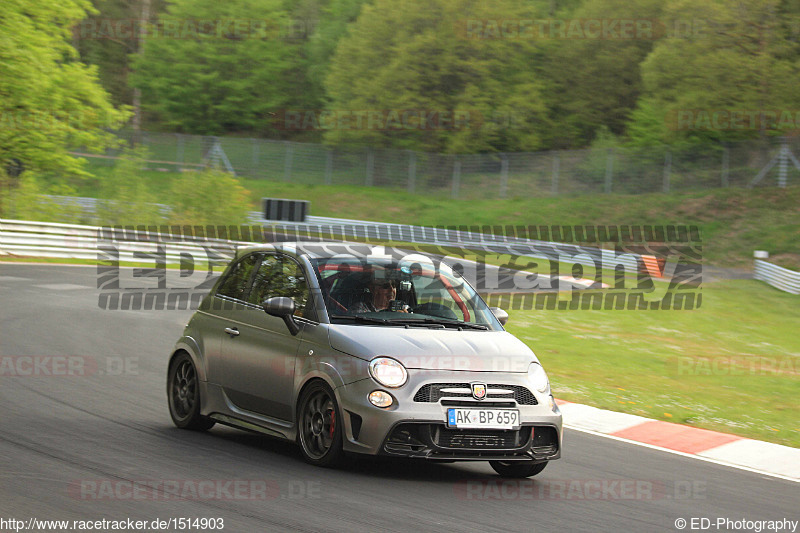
(609, 170)
(556, 168)
(503, 175)
(412, 171)
(287, 162)
(456, 178)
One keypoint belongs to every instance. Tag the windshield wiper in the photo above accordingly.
(438, 322)
(363, 319)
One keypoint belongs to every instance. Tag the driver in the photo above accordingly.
(381, 293)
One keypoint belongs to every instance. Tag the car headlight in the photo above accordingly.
(538, 377)
(388, 372)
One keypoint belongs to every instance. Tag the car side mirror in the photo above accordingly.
(282, 307)
(500, 315)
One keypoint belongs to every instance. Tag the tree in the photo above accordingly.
(210, 67)
(337, 15)
(107, 37)
(593, 69)
(50, 102)
(449, 59)
(737, 62)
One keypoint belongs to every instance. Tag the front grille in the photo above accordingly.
(472, 404)
(432, 393)
(473, 439)
(438, 440)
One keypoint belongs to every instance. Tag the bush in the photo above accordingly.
(128, 198)
(209, 197)
(30, 200)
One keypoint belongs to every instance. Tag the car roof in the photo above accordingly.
(317, 249)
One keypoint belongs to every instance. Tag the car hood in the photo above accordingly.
(435, 349)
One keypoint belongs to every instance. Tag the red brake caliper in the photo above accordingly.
(333, 422)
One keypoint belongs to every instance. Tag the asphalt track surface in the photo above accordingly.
(73, 447)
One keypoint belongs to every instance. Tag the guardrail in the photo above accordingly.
(22, 238)
(45, 239)
(458, 237)
(779, 277)
(166, 244)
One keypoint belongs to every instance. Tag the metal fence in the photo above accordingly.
(620, 170)
(779, 277)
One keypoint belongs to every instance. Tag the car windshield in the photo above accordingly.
(411, 291)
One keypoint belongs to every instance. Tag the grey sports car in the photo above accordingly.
(366, 349)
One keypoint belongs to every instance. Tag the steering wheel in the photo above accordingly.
(434, 309)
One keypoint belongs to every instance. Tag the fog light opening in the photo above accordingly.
(380, 398)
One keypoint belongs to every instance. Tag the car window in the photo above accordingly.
(236, 281)
(280, 276)
(431, 291)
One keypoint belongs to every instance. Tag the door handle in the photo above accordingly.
(233, 332)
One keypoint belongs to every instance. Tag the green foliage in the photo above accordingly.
(208, 197)
(546, 91)
(596, 82)
(127, 198)
(333, 25)
(742, 56)
(31, 200)
(50, 102)
(228, 72)
(107, 37)
(594, 168)
(632, 170)
(648, 126)
(414, 55)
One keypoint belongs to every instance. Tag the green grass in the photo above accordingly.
(733, 365)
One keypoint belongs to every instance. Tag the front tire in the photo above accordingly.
(319, 425)
(517, 469)
(183, 395)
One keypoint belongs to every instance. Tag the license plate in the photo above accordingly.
(483, 418)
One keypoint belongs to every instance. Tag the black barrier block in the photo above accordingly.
(285, 210)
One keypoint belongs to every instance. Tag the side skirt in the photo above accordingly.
(217, 406)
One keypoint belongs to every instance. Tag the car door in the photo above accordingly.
(215, 318)
(259, 353)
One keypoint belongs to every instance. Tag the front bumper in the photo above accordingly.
(437, 441)
(415, 425)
